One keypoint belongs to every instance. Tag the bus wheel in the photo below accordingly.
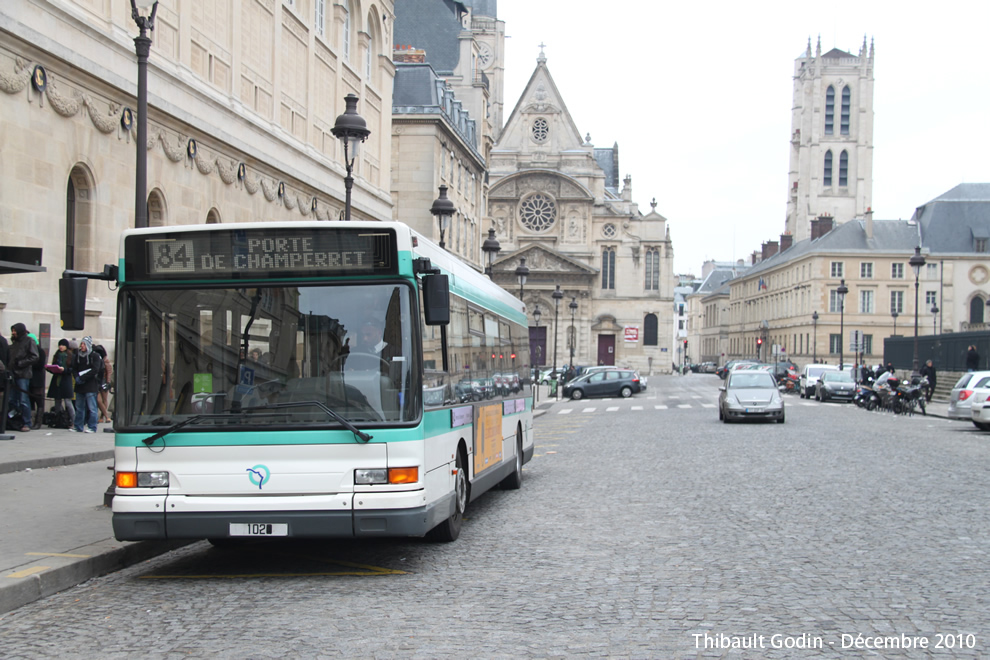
(450, 528)
(514, 480)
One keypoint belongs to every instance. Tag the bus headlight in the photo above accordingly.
(142, 480)
(403, 475)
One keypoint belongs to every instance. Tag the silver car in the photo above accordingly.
(750, 394)
(961, 399)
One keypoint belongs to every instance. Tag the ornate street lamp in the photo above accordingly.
(842, 291)
(443, 209)
(491, 248)
(142, 45)
(814, 335)
(556, 295)
(573, 305)
(521, 274)
(935, 311)
(537, 360)
(894, 315)
(916, 261)
(351, 129)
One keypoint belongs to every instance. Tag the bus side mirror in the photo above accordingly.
(72, 302)
(436, 299)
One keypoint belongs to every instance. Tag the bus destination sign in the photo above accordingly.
(269, 252)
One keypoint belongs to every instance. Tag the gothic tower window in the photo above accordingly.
(650, 330)
(541, 130)
(829, 110)
(538, 212)
(608, 268)
(827, 175)
(652, 269)
(844, 116)
(844, 168)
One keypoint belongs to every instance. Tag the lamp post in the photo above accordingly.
(491, 248)
(556, 295)
(142, 45)
(443, 209)
(814, 335)
(521, 274)
(351, 129)
(935, 311)
(916, 261)
(573, 305)
(842, 291)
(537, 360)
(894, 315)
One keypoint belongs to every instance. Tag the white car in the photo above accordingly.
(980, 408)
(809, 378)
(961, 397)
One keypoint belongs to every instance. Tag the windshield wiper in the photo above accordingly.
(364, 437)
(361, 435)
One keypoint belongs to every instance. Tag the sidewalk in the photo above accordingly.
(56, 532)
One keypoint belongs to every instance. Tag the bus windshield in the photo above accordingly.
(221, 351)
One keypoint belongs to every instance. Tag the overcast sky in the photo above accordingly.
(698, 96)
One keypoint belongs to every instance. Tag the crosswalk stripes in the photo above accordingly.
(662, 406)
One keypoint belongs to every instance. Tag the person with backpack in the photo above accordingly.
(61, 386)
(87, 367)
(103, 396)
(23, 355)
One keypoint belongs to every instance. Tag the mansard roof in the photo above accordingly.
(951, 221)
(433, 26)
(418, 90)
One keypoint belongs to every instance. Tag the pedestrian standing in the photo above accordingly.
(23, 355)
(972, 359)
(928, 371)
(61, 388)
(103, 396)
(38, 377)
(87, 367)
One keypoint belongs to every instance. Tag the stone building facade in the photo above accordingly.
(831, 156)
(555, 201)
(242, 99)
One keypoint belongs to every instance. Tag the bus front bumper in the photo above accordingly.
(132, 525)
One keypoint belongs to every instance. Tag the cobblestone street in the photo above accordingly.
(647, 531)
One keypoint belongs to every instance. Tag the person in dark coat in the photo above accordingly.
(87, 368)
(61, 386)
(38, 375)
(972, 359)
(928, 371)
(23, 355)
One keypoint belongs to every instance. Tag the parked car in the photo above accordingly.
(750, 394)
(961, 398)
(835, 386)
(980, 408)
(608, 382)
(546, 373)
(810, 375)
(727, 367)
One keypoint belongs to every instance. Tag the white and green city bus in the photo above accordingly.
(308, 379)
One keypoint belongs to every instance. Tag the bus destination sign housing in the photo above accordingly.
(260, 253)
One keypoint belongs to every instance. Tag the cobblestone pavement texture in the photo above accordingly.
(653, 533)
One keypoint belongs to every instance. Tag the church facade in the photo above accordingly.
(555, 201)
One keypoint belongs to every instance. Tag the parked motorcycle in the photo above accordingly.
(909, 396)
(865, 397)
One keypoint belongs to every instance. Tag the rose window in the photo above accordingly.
(538, 212)
(541, 129)
(608, 230)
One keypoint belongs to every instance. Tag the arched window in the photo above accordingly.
(650, 330)
(827, 174)
(608, 268)
(976, 310)
(829, 110)
(369, 55)
(156, 209)
(844, 116)
(652, 269)
(346, 37)
(844, 168)
(213, 217)
(79, 219)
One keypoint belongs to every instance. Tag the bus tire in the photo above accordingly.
(450, 528)
(514, 480)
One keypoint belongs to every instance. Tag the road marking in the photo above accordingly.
(695, 396)
(611, 408)
(674, 396)
(637, 408)
(28, 571)
(683, 405)
(57, 554)
(565, 411)
(589, 410)
(660, 407)
(708, 405)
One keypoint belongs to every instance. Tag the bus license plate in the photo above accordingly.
(259, 529)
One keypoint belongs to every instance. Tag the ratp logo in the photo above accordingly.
(259, 475)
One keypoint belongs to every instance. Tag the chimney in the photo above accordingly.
(814, 229)
(868, 224)
(754, 258)
(786, 241)
(824, 224)
(769, 249)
